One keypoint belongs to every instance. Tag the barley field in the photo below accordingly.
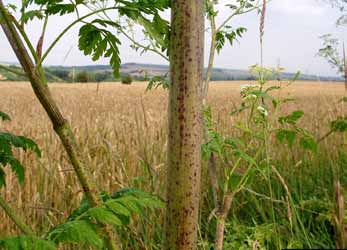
(122, 131)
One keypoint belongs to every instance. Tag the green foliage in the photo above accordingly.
(101, 76)
(309, 143)
(246, 156)
(157, 29)
(246, 237)
(77, 232)
(4, 116)
(53, 7)
(95, 37)
(100, 42)
(127, 79)
(227, 150)
(339, 125)
(330, 52)
(290, 135)
(60, 8)
(83, 77)
(229, 34)
(291, 119)
(62, 75)
(251, 154)
(306, 140)
(83, 226)
(26, 243)
(226, 32)
(7, 143)
(158, 81)
(47, 8)
(31, 15)
(287, 135)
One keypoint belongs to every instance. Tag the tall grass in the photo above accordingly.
(123, 131)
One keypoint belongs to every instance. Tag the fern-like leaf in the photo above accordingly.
(7, 142)
(31, 15)
(26, 243)
(100, 42)
(83, 226)
(60, 9)
(78, 232)
(104, 215)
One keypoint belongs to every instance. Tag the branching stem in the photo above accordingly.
(11, 213)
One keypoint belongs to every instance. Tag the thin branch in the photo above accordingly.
(344, 60)
(41, 39)
(143, 46)
(54, 43)
(214, 32)
(325, 136)
(19, 221)
(20, 28)
(13, 70)
(236, 13)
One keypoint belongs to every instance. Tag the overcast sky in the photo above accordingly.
(292, 33)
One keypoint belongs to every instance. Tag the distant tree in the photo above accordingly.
(83, 77)
(330, 52)
(342, 6)
(101, 76)
(127, 79)
(62, 74)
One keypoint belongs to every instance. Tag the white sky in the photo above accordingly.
(292, 33)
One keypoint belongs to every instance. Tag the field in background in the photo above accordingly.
(122, 131)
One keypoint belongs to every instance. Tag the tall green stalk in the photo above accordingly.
(345, 66)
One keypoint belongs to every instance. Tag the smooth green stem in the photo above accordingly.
(54, 43)
(12, 70)
(19, 221)
(26, 39)
(44, 28)
(211, 59)
(236, 13)
(143, 46)
(345, 66)
(325, 136)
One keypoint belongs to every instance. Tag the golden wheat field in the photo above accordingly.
(122, 132)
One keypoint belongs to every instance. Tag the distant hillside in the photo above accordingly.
(140, 72)
(219, 74)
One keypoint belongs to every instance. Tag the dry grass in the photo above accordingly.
(122, 131)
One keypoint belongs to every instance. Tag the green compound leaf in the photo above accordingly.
(26, 243)
(7, 142)
(4, 116)
(339, 125)
(286, 135)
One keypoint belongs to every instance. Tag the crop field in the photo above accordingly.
(122, 130)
